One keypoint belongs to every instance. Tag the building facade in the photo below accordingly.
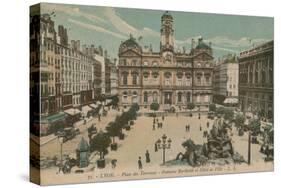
(256, 80)
(114, 78)
(169, 78)
(225, 81)
(66, 78)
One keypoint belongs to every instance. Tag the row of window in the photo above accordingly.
(167, 97)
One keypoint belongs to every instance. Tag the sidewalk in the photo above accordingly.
(42, 140)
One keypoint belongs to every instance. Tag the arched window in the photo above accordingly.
(155, 96)
(167, 75)
(188, 97)
(270, 71)
(179, 96)
(145, 75)
(179, 75)
(145, 97)
(125, 78)
(135, 78)
(135, 97)
(155, 74)
(125, 97)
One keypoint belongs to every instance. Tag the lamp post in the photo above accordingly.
(60, 139)
(164, 144)
(249, 147)
(249, 139)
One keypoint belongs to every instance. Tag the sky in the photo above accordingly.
(108, 27)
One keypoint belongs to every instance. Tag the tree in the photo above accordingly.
(135, 107)
(239, 120)
(212, 107)
(115, 101)
(190, 106)
(220, 110)
(154, 106)
(100, 142)
(113, 130)
(228, 114)
(254, 126)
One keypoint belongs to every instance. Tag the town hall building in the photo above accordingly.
(168, 77)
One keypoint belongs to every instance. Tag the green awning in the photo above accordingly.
(53, 118)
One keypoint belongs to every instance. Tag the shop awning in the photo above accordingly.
(72, 111)
(230, 101)
(86, 109)
(53, 118)
(93, 105)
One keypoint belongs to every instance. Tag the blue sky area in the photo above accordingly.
(107, 26)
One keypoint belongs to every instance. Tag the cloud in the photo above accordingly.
(72, 11)
(224, 43)
(96, 28)
(123, 27)
(239, 43)
(224, 49)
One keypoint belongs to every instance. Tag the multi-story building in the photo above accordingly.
(98, 75)
(69, 78)
(256, 80)
(170, 78)
(45, 73)
(113, 78)
(225, 81)
(107, 77)
(48, 46)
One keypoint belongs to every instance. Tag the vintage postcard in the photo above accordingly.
(125, 94)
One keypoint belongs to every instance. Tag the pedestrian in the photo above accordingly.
(153, 126)
(205, 133)
(113, 163)
(155, 147)
(163, 117)
(200, 128)
(60, 169)
(140, 163)
(186, 128)
(161, 125)
(199, 116)
(147, 157)
(208, 124)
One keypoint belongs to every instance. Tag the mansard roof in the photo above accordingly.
(130, 44)
(202, 45)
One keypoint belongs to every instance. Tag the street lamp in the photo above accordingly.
(60, 139)
(249, 147)
(164, 144)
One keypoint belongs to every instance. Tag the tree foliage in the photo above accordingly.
(190, 106)
(154, 106)
(113, 129)
(255, 126)
(212, 107)
(228, 114)
(239, 120)
(100, 143)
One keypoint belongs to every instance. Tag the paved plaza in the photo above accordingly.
(142, 137)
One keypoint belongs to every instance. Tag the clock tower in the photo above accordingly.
(167, 37)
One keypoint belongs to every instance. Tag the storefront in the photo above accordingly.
(51, 124)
